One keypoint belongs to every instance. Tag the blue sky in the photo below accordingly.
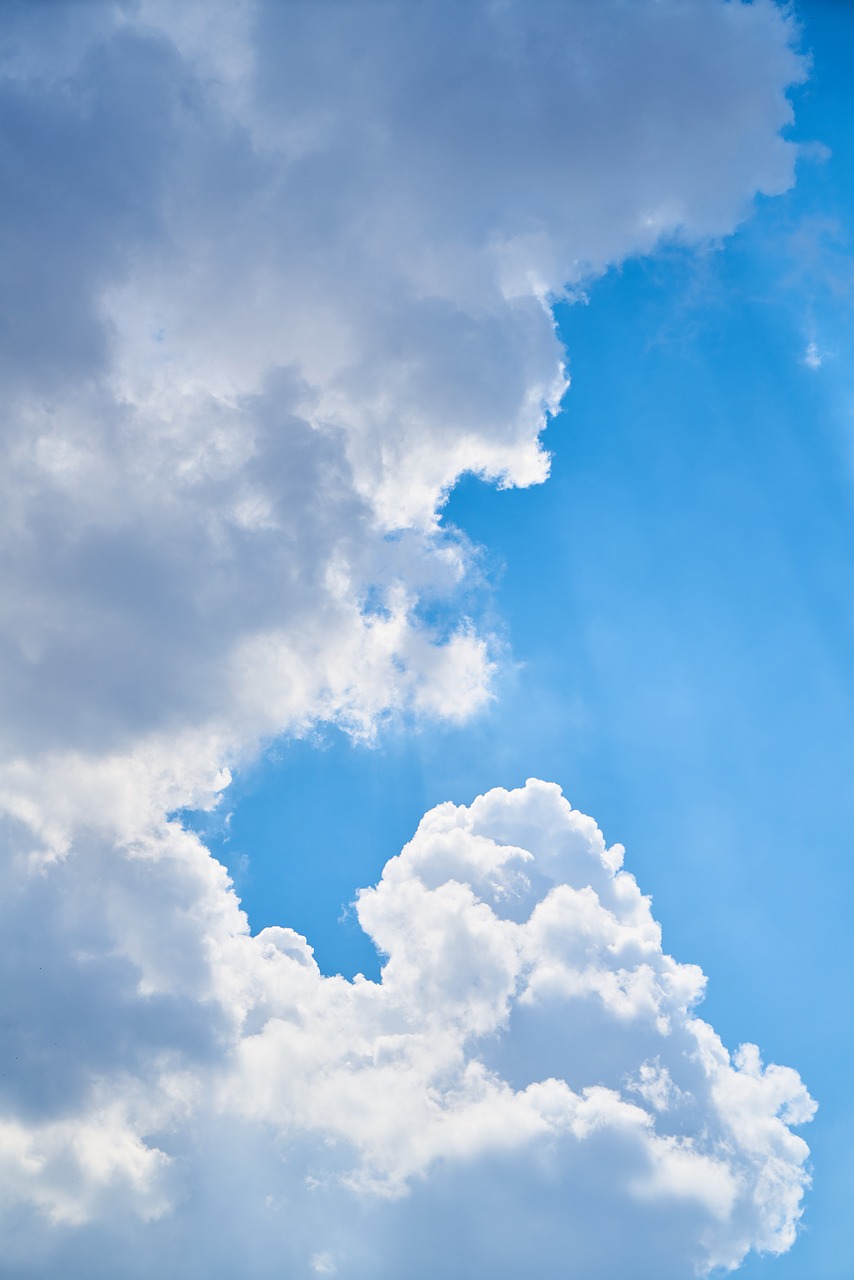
(294, 299)
(677, 600)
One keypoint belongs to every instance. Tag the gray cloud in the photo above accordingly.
(282, 273)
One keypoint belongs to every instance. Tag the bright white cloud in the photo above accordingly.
(282, 273)
(529, 1069)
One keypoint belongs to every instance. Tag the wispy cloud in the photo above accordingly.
(813, 358)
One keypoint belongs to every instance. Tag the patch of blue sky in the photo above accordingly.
(679, 598)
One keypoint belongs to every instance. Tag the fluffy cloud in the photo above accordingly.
(528, 1072)
(281, 274)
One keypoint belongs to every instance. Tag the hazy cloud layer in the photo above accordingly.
(280, 274)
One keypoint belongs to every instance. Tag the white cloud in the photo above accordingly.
(282, 273)
(529, 1050)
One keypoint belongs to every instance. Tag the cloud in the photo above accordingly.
(529, 1071)
(282, 274)
(814, 357)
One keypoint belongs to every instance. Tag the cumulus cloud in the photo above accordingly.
(528, 1083)
(281, 274)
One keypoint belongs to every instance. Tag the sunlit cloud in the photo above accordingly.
(282, 275)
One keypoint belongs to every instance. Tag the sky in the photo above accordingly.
(426, 425)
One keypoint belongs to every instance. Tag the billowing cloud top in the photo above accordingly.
(281, 274)
(527, 1083)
